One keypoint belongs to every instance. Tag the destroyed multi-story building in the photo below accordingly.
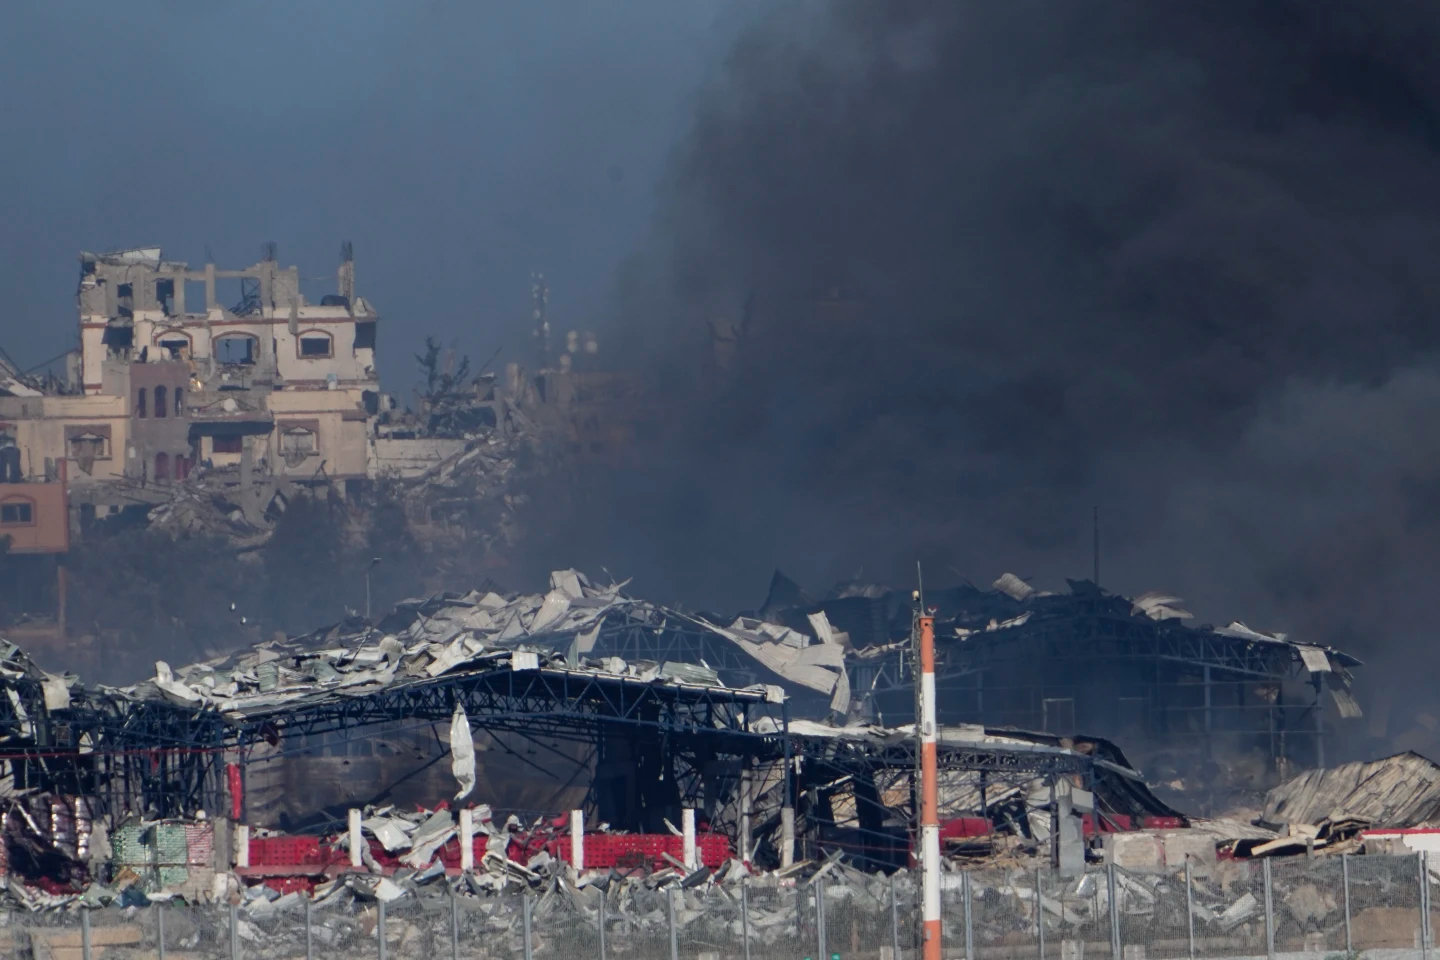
(272, 380)
(168, 376)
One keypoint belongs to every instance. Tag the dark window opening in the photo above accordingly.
(335, 300)
(162, 466)
(125, 291)
(229, 444)
(235, 350)
(175, 348)
(140, 404)
(317, 346)
(10, 471)
(179, 401)
(371, 400)
(365, 336)
(118, 340)
(296, 444)
(182, 467)
(165, 295)
(87, 446)
(160, 399)
(16, 513)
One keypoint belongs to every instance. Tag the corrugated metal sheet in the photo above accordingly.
(1399, 791)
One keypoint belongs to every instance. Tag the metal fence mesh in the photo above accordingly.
(1302, 906)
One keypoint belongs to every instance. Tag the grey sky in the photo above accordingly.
(459, 145)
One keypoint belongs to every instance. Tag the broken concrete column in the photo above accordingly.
(687, 835)
(787, 837)
(242, 845)
(577, 839)
(357, 841)
(467, 840)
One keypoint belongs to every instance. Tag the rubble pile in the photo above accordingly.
(215, 502)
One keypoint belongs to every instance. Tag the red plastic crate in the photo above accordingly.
(285, 851)
(961, 827)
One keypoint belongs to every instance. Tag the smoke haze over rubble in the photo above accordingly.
(1176, 260)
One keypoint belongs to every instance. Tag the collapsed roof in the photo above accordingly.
(1398, 792)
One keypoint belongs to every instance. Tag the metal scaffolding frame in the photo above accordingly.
(163, 759)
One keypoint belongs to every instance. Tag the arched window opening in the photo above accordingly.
(162, 466)
(315, 345)
(179, 401)
(296, 443)
(176, 348)
(160, 399)
(140, 404)
(237, 348)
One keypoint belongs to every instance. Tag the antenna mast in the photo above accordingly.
(929, 786)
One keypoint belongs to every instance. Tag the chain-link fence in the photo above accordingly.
(1335, 907)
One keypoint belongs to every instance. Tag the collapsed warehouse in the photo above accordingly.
(1211, 713)
(654, 739)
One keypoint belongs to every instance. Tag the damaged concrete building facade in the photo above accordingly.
(272, 379)
(168, 377)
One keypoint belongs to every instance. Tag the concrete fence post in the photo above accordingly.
(526, 911)
(1269, 912)
(1422, 862)
(674, 934)
(234, 932)
(1039, 915)
(1189, 909)
(160, 930)
(894, 920)
(1113, 890)
(966, 896)
(603, 891)
(1345, 882)
(455, 926)
(745, 914)
(309, 932)
(380, 928)
(85, 933)
(819, 886)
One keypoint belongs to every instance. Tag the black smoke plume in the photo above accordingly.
(1177, 260)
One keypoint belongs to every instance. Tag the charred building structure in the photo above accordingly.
(1194, 704)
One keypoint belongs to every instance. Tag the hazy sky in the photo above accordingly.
(459, 145)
